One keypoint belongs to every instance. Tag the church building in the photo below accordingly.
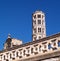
(41, 48)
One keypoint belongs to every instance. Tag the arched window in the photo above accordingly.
(39, 29)
(39, 16)
(39, 21)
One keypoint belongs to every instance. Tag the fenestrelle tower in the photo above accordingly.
(38, 26)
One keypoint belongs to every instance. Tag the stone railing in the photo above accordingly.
(31, 51)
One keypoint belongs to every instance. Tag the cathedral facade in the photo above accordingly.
(41, 48)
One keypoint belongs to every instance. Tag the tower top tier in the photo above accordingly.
(38, 12)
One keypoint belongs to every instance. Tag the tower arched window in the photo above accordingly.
(39, 21)
(39, 29)
(39, 16)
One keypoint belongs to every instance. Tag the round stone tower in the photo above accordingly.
(38, 25)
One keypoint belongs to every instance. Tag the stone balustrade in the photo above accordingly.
(32, 50)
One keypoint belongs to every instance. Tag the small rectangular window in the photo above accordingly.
(39, 21)
(39, 29)
(39, 16)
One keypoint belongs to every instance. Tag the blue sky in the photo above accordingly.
(16, 18)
